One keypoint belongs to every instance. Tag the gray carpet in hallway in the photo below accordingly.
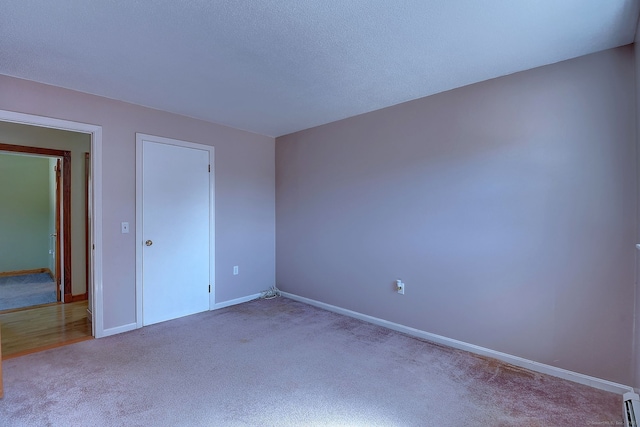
(26, 290)
(284, 363)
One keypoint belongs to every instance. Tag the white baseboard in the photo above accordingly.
(118, 330)
(132, 326)
(439, 339)
(224, 304)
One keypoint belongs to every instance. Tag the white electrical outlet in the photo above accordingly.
(124, 227)
(400, 287)
(235, 270)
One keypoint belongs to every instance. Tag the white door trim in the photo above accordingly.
(140, 137)
(96, 226)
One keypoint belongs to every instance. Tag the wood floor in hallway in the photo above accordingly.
(40, 328)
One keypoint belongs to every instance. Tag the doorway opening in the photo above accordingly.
(36, 227)
(91, 240)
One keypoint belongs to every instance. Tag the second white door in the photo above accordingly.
(176, 220)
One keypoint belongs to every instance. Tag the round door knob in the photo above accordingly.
(148, 243)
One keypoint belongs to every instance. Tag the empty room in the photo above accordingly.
(349, 213)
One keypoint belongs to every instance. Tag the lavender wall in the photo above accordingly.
(507, 207)
(245, 195)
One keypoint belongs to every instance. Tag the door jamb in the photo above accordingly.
(87, 221)
(96, 226)
(57, 220)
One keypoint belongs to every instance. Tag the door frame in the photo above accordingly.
(87, 221)
(58, 216)
(66, 211)
(95, 132)
(140, 138)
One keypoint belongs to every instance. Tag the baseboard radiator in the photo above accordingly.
(631, 409)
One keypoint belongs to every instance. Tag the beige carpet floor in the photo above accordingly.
(283, 363)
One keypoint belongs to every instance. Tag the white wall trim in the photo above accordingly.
(235, 301)
(138, 231)
(140, 138)
(120, 329)
(96, 173)
(439, 339)
(132, 326)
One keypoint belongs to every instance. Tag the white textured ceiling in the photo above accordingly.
(278, 66)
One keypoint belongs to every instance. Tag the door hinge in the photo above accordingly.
(209, 288)
(209, 168)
